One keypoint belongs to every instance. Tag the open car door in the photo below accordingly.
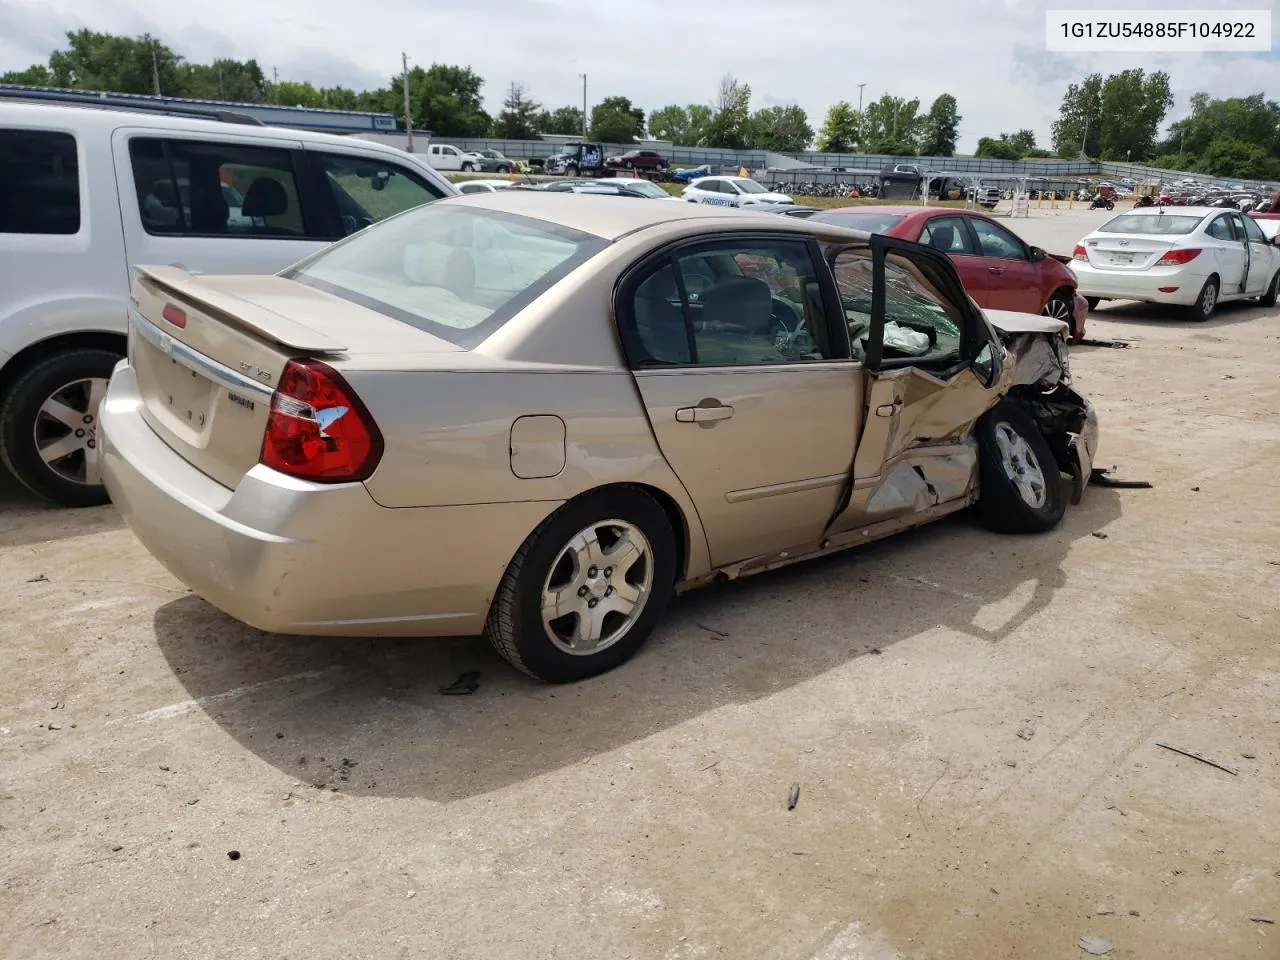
(932, 367)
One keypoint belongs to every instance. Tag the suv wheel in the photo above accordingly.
(468, 167)
(49, 424)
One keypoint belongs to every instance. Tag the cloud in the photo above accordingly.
(988, 53)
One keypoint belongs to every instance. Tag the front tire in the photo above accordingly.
(1205, 303)
(49, 424)
(1020, 483)
(586, 588)
(468, 167)
(1060, 307)
(1092, 302)
(1272, 295)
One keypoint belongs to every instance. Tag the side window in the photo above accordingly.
(948, 235)
(366, 191)
(1253, 231)
(919, 322)
(39, 182)
(195, 188)
(749, 303)
(996, 241)
(1220, 229)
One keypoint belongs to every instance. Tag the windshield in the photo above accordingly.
(871, 222)
(646, 189)
(749, 186)
(454, 271)
(1156, 223)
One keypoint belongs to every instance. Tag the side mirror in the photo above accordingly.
(1037, 254)
(989, 364)
(1276, 239)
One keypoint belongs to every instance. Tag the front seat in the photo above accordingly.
(660, 325)
(942, 237)
(266, 198)
(745, 304)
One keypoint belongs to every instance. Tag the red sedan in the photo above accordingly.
(998, 269)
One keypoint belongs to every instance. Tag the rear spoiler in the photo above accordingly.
(239, 312)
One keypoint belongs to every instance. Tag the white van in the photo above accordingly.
(86, 191)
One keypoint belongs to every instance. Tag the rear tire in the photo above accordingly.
(1272, 295)
(1205, 303)
(541, 620)
(1020, 484)
(59, 383)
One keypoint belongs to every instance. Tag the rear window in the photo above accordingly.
(453, 271)
(1159, 223)
(870, 221)
(39, 182)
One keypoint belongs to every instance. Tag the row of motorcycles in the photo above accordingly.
(840, 189)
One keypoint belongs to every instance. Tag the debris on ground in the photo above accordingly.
(1101, 476)
(1100, 535)
(1113, 344)
(1249, 756)
(1198, 756)
(467, 683)
(1027, 732)
(1261, 920)
(411, 894)
(793, 797)
(966, 911)
(40, 578)
(1103, 910)
(1195, 489)
(233, 854)
(718, 634)
(1094, 946)
(1134, 913)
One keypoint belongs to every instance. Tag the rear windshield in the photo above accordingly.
(1161, 223)
(870, 221)
(453, 271)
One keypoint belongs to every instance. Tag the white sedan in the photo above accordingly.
(731, 192)
(483, 186)
(1194, 257)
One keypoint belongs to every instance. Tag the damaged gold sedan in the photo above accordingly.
(537, 416)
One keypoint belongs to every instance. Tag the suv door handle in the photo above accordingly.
(703, 414)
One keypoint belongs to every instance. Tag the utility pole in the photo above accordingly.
(1085, 139)
(860, 86)
(275, 85)
(222, 91)
(584, 105)
(155, 67)
(408, 119)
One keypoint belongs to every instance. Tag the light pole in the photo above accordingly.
(860, 86)
(584, 105)
(408, 120)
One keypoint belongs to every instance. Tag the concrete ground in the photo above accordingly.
(972, 719)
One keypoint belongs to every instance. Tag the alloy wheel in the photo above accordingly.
(1021, 466)
(66, 430)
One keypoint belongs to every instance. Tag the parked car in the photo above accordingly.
(999, 269)
(691, 173)
(87, 191)
(731, 192)
(609, 186)
(483, 186)
(494, 161)
(445, 156)
(539, 416)
(638, 160)
(1196, 258)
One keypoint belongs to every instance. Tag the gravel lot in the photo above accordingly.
(972, 720)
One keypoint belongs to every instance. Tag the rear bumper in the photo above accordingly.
(1141, 285)
(289, 556)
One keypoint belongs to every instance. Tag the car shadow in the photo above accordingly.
(367, 716)
(26, 518)
(1166, 317)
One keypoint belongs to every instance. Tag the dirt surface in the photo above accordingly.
(972, 720)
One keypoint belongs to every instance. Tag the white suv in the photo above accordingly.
(86, 192)
(731, 192)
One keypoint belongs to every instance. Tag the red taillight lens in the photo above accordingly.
(1079, 253)
(175, 315)
(1177, 257)
(318, 429)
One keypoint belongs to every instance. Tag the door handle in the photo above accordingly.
(703, 414)
(995, 269)
(888, 409)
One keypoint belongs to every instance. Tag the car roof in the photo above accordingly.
(609, 219)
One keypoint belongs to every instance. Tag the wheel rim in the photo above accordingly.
(1057, 309)
(1208, 299)
(66, 431)
(598, 587)
(1021, 466)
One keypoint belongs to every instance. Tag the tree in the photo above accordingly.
(36, 75)
(226, 79)
(997, 149)
(1253, 120)
(615, 120)
(699, 123)
(1133, 108)
(446, 100)
(291, 93)
(562, 120)
(671, 123)
(518, 116)
(731, 115)
(1230, 157)
(103, 61)
(839, 133)
(785, 129)
(891, 125)
(1078, 128)
(941, 127)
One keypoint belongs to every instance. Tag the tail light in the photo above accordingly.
(1177, 257)
(1079, 253)
(318, 429)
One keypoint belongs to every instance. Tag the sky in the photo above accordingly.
(989, 54)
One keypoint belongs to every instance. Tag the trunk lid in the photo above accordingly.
(208, 352)
(1130, 251)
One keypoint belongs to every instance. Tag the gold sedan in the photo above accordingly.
(536, 415)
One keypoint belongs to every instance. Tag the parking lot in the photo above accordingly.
(972, 721)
